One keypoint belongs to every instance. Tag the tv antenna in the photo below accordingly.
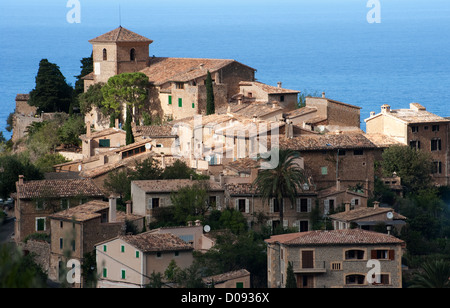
(120, 16)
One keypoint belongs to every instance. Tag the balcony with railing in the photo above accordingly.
(317, 267)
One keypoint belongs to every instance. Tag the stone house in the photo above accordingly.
(192, 234)
(75, 231)
(245, 198)
(148, 196)
(177, 85)
(368, 218)
(325, 115)
(36, 200)
(255, 92)
(336, 259)
(330, 157)
(418, 128)
(129, 261)
(96, 143)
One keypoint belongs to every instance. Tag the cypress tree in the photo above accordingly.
(210, 106)
(52, 93)
(291, 283)
(128, 128)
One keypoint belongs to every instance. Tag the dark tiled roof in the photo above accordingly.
(154, 131)
(364, 212)
(58, 189)
(22, 97)
(153, 242)
(120, 35)
(334, 237)
(267, 88)
(327, 142)
(168, 186)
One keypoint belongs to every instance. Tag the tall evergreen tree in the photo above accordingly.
(128, 127)
(210, 105)
(52, 93)
(87, 67)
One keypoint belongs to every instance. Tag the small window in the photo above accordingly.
(137, 254)
(354, 279)
(179, 85)
(64, 204)
(435, 128)
(105, 55)
(132, 54)
(39, 205)
(61, 224)
(122, 248)
(40, 224)
(180, 102)
(324, 170)
(414, 144)
(241, 205)
(437, 167)
(170, 99)
(105, 272)
(124, 274)
(239, 285)
(436, 145)
(336, 266)
(383, 254)
(61, 243)
(358, 152)
(354, 254)
(159, 254)
(105, 248)
(282, 98)
(155, 203)
(176, 253)
(415, 129)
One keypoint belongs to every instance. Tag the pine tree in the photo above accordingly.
(210, 105)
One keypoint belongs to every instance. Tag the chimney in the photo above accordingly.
(189, 223)
(222, 180)
(280, 84)
(21, 179)
(338, 184)
(376, 204)
(274, 105)
(385, 109)
(198, 223)
(112, 209)
(289, 129)
(347, 207)
(116, 123)
(129, 207)
(88, 130)
(372, 113)
(323, 94)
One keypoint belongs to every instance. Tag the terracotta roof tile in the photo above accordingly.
(58, 189)
(153, 242)
(154, 131)
(83, 212)
(163, 70)
(363, 213)
(120, 35)
(327, 142)
(268, 88)
(335, 237)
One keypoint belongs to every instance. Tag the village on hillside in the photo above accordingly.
(190, 173)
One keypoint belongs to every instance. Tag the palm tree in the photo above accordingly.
(283, 181)
(435, 274)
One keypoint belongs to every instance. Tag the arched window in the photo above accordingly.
(105, 54)
(133, 54)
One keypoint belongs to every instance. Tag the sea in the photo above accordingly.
(361, 52)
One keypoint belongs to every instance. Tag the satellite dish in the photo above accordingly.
(390, 215)
(79, 168)
(207, 229)
(148, 146)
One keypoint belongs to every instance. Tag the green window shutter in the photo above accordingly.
(193, 105)
(239, 285)
(40, 224)
(104, 143)
(105, 248)
(122, 248)
(105, 273)
(170, 99)
(137, 254)
(123, 274)
(180, 102)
